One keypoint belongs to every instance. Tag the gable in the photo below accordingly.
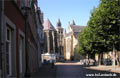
(69, 29)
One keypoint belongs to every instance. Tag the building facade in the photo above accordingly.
(20, 38)
(40, 36)
(71, 41)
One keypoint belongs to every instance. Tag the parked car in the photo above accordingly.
(87, 61)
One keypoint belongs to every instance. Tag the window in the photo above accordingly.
(8, 51)
(8, 34)
(21, 50)
(21, 53)
(10, 47)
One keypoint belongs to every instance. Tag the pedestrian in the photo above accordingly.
(52, 64)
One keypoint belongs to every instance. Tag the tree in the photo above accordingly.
(103, 29)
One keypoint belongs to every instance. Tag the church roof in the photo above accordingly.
(47, 25)
(77, 28)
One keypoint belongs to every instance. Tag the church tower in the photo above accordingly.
(60, 37)
(73, 22)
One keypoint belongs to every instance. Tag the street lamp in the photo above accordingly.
(26, 9)
(0, 57)
(2, 40)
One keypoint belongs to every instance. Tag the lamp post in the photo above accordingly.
(26, 9)
(0, 40)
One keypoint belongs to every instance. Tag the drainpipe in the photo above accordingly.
(26, 46)
(2, 40)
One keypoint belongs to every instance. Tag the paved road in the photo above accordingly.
(75, 70)
(46, 71)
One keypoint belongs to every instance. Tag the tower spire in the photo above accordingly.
(73, 22)
(58, 23)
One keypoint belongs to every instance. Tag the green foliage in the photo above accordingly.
(102, 30)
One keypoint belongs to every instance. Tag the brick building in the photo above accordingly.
(21, 38)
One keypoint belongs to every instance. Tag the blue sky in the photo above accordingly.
(67, 10)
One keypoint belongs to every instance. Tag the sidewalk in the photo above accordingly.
(115, 69)
(45, 72)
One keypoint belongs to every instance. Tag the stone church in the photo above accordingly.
(71, 41)
(58, 42)
(54, 38)
(50, 34)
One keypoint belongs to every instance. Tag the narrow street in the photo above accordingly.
(72, 70)
(75, 70)
(59, 38)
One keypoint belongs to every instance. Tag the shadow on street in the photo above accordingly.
(75, 70)
(46, 71)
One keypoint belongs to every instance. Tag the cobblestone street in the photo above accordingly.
(74, 70)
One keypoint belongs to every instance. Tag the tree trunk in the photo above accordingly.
(114, 57)
(118, 58)
(99, 58)
(88, 59)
